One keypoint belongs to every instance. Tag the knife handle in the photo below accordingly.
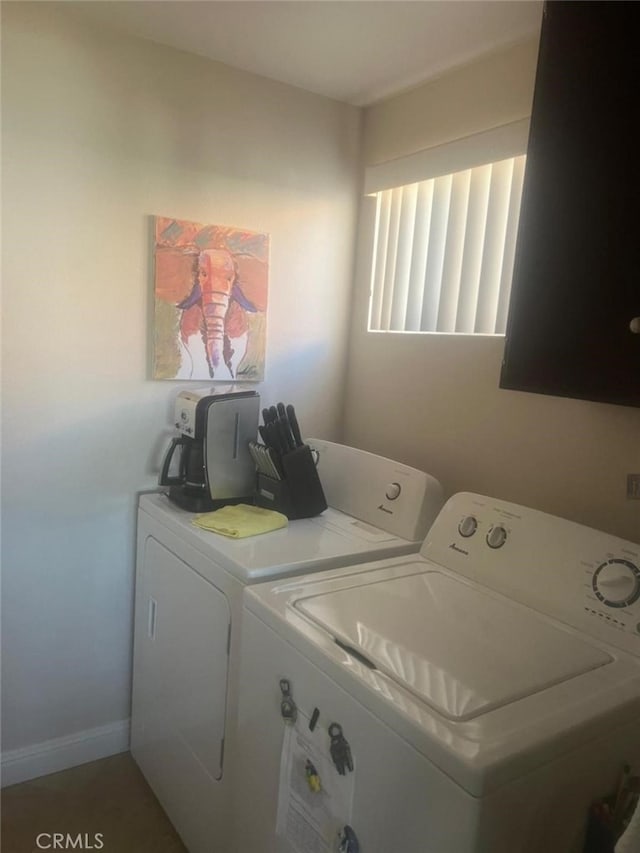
(295, 427)
(285, 435)
(273, 437)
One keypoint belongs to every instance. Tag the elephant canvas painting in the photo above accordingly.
(211, 288)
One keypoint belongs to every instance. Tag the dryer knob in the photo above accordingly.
(393, 491)
(497, 536)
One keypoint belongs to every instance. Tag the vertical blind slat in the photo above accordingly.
(379, 257)
(510, 244)
(435, 252)
(491, 273)
(421, 230)
(390, 266)
(476, 223)
(456, 228)
(375, 291)
(403, 257)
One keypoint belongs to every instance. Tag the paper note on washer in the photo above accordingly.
(314, 801)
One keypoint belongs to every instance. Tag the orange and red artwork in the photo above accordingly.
(211, 286)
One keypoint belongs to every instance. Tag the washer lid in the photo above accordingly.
(459, 649)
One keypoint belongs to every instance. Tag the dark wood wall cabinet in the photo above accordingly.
(574, 319)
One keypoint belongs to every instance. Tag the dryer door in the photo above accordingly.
(180, 670)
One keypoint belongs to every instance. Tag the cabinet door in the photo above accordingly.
(576, 284)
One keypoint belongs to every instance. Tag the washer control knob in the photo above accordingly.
(497, 536)
(468, 526)
(393, 491)
(617, 583)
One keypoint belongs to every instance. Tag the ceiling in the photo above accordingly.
(357, 51)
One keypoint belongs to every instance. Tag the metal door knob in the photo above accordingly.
(634, 325)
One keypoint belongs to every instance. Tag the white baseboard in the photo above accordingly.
(50, 756)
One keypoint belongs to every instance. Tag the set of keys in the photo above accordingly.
(339, 747)
(347, 841)
(288, 707)
(340, 750)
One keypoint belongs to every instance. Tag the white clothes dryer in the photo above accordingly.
(189, 585)
(488, 689)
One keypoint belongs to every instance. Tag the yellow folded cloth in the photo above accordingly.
(240, 520)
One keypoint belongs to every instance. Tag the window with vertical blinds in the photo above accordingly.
(443, 247)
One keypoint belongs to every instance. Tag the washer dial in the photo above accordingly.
(497, 536)
(468, 526)
(617, 583)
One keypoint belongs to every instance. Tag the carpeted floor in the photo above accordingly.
(108, 802)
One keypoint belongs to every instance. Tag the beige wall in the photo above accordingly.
(433, 400)
(491, 92)
(100, 133)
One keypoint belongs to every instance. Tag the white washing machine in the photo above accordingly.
(189, 585)
(488, 688)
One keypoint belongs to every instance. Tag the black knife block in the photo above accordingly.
(299, 493)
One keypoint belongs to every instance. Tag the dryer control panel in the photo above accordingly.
(584, 577)
(387, 494)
